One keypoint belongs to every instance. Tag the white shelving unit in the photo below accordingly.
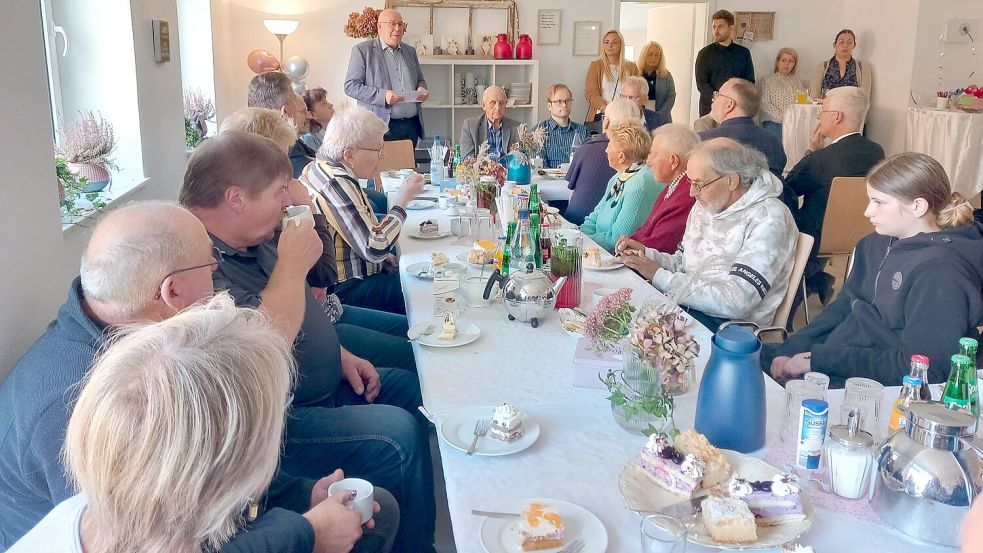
(442, 117)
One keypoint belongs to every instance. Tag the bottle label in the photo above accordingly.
(812, 434)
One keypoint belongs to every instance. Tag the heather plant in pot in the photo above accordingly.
(86, 147)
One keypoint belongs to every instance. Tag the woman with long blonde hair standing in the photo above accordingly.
(606, 75)
(662, 89)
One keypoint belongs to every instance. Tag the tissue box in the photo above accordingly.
(589, 369)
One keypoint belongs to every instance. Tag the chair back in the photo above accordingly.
(844, 224)
(802, 248)
(397, 154)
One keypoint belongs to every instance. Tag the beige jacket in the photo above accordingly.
(594, 84)
(865, 77)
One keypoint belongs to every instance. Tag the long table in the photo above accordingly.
(581, 449)
(550, 188)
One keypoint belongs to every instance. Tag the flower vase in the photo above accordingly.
(97, 175)
(519, 169)
(646, 407)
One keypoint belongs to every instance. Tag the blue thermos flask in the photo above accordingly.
(730, 408)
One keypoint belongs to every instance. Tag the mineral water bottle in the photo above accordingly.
(436, 165)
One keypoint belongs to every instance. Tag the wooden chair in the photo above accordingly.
(844, 224)
(795, 283)
(396, 154)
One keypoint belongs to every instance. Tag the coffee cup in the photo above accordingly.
(296, 214)
(474, 291)
(599, 294)
(442, 200)
(455, 270)
(362, 500)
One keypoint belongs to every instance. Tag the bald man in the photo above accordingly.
(384, 76)
(492, 127)
(144, 263)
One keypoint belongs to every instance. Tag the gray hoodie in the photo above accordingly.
(734, 264)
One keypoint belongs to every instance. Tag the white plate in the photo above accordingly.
(416, 268)
(463, 258)
(571, 316)
(421, 204)
(467, 332)
(458, 431)
(414, 233)
(642, 494)
(605, 267)
(501, 535)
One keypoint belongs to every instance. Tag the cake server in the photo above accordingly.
(493, 514)
(681, 509)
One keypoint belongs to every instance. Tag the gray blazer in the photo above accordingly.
(474, 132)
(368, 80)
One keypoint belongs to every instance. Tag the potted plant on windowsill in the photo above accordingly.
(198, 110)
(86, 149)
(75, 201)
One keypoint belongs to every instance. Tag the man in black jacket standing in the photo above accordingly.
(848, 155)
(721, 60)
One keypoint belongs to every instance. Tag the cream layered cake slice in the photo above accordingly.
(728, 520)
(438, 259)
(773, 502)
(429, 228)
(669, 468)
(540, 527)
(506, 423)
(716, 469)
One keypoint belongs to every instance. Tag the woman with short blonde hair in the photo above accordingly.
(264, 122)
(632, 190)
(606, 74)
(662, 89)
(176, 430)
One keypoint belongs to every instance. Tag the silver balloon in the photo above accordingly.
(296, 67)
(299, 87)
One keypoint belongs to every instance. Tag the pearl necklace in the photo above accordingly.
(672, 186)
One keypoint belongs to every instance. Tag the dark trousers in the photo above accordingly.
(410, 128)
(378, 336)
(380, 291)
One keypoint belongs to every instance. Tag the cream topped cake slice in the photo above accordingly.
(449, 328)
(773, 502)
(506, 423)
(540, 527)
(429, 228)
(669, 468)
(592, 256)
(717, 468)
(438, 259)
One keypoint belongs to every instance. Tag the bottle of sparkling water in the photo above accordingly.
(956, 394)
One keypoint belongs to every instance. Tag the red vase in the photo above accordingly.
(503, 50)
(523, 49)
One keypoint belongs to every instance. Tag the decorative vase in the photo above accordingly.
(503, 50)
(523, 48)
(97, 175)
(518, 169)
(641, 385)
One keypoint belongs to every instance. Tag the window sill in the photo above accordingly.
(119, 191)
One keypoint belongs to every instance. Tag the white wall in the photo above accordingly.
(672, 26)
(958, 61)
(197, 61)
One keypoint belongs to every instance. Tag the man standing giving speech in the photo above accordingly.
(384, 76)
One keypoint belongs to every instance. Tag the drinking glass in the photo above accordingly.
(866, 394)
(576, 143)
(663, 534)
(819, 379)
(795, 392)
(566, 253)
(483, 225)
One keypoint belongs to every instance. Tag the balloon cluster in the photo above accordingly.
(295, 67)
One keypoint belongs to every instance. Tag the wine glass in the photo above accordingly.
(578, 141)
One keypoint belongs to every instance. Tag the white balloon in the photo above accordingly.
(296, 67)
(299, 87)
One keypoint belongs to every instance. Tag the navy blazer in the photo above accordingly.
(747, 132)
(368, 80)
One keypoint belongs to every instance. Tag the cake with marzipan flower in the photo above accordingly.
(540, 527)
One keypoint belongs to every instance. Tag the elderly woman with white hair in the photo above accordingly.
(352, 148)
(736, 256)
(175, 436)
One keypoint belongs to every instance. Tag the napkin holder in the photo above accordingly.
(589, 368)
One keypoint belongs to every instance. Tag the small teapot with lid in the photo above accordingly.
(529, 295)
(928, 473)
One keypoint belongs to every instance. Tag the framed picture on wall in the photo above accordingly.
(549, 27)
(586, 38)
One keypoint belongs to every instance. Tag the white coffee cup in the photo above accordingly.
(364, 494)
(456, 270)
(296, 214)
(442, 200)
(599, 294)
(474, 291)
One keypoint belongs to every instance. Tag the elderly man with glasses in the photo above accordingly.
(384, 76)
(735, 259)
(636, 89)
(560, 130)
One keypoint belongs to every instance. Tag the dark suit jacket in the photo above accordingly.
(474, 132)
(812, 177)
(653, 119)
(747, 132)
(368, 79)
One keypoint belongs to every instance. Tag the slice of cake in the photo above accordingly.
(667, 467)
(728, 520)
(716, 469)
(506, 424)
(540, 527)
(429, 228)
(449, 328)
(773, 502)
(483, 252)
(592, 256)
(438, 259)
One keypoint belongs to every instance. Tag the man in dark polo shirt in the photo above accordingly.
(346, 413)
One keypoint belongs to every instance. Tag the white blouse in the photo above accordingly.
(610, 87)
(777, 93)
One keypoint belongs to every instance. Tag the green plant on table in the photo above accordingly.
(634, 402)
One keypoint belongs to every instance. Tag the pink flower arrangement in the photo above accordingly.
(472, 169)
(610, 321)
(198, 105)
(90, 140)
(364, 24)
(660, 338)
(529, 142)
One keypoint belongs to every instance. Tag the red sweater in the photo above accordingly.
(663, 230)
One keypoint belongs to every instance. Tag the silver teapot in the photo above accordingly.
(928, 474)
(529, 295)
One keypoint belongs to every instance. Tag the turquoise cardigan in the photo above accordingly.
(607, 223)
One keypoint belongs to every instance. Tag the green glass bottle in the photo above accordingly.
(507, 250)
(967, 347)
(956, 394)
(534, 204)
(534, 231)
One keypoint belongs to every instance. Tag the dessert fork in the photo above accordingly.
(575, 547)
(480, 429)
(426, 332)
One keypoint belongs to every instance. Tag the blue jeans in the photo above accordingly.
(380, 291)
(773, 127)
(377, 336)
(386, 443)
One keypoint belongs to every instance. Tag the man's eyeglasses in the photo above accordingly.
(378, 150)
(217, 259)
(394, 24)
(628, 96)
(561, 102)
(700, 187)
(718, 93)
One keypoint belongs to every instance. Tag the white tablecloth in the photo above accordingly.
(797, 127)
(954, 139)
(581, 450)
(551, 189)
